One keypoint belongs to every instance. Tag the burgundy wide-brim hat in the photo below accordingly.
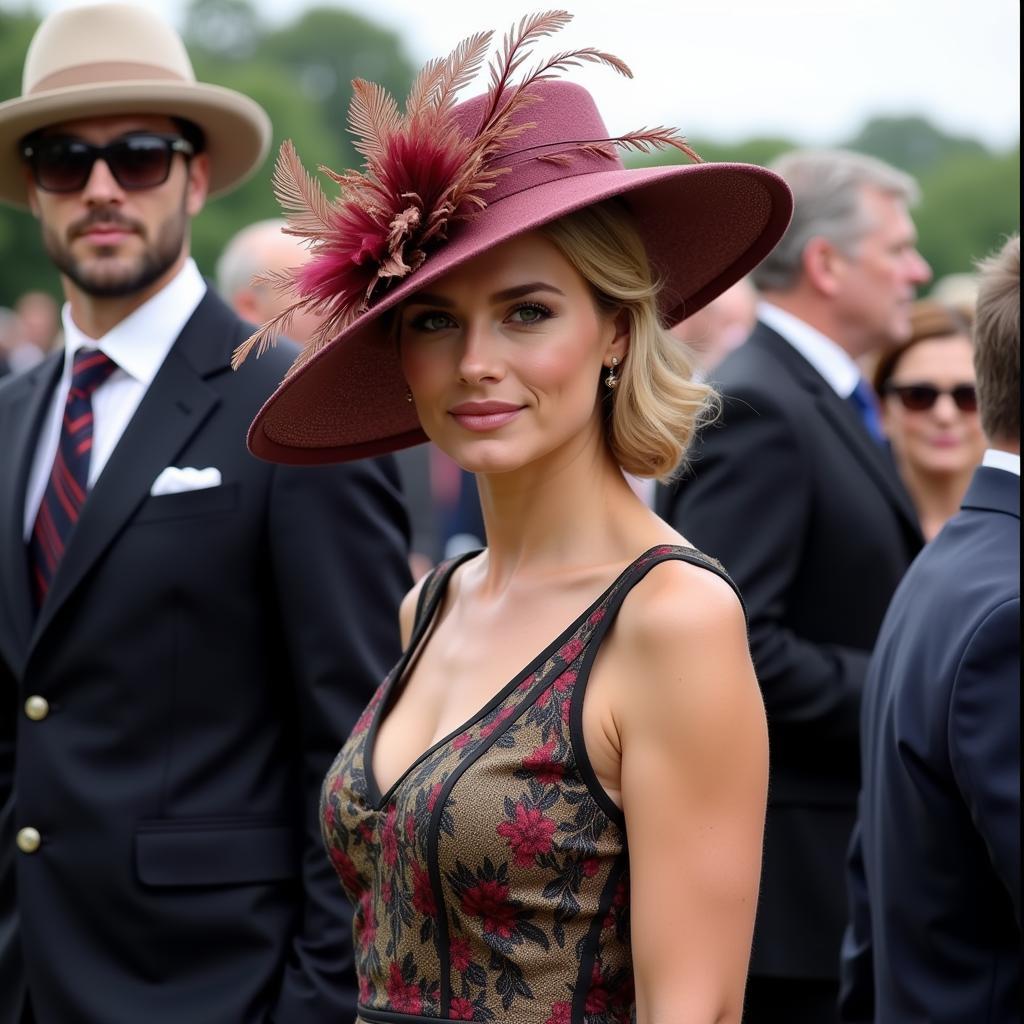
(704, 225)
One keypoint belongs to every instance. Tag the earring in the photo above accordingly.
(408, 395)
(612, 381)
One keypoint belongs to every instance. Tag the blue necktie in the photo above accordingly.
(863, 400)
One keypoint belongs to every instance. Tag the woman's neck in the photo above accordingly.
(937, 496)
(572, 510)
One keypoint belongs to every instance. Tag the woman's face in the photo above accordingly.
(504, 356)
(943, 438)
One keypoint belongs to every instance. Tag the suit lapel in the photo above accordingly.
(877, 462)
(23, 405)
(175, 406)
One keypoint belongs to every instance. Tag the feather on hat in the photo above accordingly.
(426, 200)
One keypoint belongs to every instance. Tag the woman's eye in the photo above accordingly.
(530, 313)
(432, 322)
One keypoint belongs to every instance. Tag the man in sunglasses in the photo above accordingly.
(934, 872)
(795, 491)
(186, 634)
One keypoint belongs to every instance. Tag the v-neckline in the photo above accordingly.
(394, 688)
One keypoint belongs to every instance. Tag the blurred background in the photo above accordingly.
(930, 85)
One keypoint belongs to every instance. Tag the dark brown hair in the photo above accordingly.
(928, 320)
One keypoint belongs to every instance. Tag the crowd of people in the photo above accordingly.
(609, 577)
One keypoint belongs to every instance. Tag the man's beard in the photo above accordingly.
(100, 280)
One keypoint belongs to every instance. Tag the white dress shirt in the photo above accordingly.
(138, 344)
(995, 458)
(835, 364)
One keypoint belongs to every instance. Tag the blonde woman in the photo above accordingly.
(552, 811)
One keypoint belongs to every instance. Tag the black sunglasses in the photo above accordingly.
(921, 397)
(137, 161)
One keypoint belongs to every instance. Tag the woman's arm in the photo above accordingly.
(694, 748)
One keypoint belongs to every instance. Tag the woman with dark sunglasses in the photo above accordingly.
(930, 410)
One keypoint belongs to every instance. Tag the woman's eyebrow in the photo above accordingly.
(431, 299)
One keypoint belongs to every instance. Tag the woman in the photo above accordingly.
(930, 411)
(482, 814)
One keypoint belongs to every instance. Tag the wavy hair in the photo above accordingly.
(653, 414)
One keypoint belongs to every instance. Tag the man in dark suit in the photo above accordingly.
(934, 873)
(186, 633)
(801, 502)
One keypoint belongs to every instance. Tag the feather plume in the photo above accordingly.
(419, 174)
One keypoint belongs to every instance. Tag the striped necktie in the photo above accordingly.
(68, 484)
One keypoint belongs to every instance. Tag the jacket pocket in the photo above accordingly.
(169, 853)
(186, 504)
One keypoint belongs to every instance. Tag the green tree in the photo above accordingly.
(913, 144)
(25, 266)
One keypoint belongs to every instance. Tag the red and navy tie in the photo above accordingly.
(69, 479)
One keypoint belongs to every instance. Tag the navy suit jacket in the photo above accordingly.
(204, 655)
(808, 515)
(934, 873)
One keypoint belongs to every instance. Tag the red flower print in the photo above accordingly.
(561, 685)
(347, 871)
(328, 814)
(596, 616)
(541, 764)
(597, 997)
(410, 827)
(571, 649)
(496, 723)
(365, 989)
(388, 839)
(566, 710)
(385, 892)
(365, 832)
(461, 1009)
(487, 900)
(403, 998)
(460, 742)
(590, 867)
(364, 719)
(529, 834)
(461, 954)
(560, 1014)
(366, 924)
(422, 893)
(435, 792)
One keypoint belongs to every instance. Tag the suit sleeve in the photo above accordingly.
(746, 499)
(339, 552)
(984, 739)
(856, 968)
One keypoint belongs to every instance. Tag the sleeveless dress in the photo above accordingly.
(491, 881)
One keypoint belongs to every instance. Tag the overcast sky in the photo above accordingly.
(810, 70)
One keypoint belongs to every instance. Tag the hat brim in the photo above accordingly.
(704, 225)
(237, 128)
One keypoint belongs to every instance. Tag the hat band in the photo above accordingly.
(101, 73)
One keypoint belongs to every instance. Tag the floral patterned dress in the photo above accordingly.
(491, 881)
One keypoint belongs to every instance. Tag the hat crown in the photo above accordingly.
(103, 42)
(562, 115)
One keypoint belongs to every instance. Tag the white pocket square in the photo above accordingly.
(174, 480)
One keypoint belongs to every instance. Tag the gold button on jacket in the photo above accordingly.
(37, 708)
(28, 840)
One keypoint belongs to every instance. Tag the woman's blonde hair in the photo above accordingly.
(657, 406)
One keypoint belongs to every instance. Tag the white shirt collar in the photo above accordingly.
(140, 342)
(997, 459)
(835, 364)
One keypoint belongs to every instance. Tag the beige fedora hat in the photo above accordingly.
(123, 59)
